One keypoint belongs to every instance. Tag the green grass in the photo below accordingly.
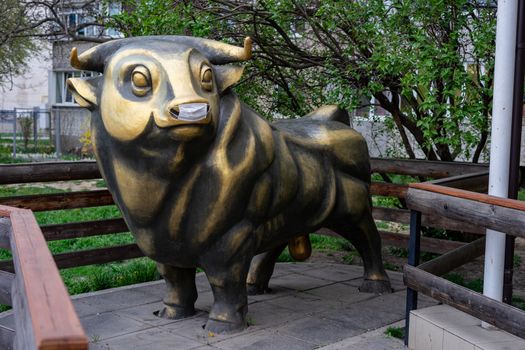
(475, 285)
(27, 190)
(396, 332)
(330, 243)
(94, 277)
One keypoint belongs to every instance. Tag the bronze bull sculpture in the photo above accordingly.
(203, 181)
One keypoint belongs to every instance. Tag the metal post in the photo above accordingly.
(36, 112)
(500, 142)
(58, 147)
(414, 252)
(14, 135)
(517, 116)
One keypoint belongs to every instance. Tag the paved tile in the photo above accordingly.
(202, 282)
(311, 306)
(7, 319)
(204, 301)
(156, 290)
(318, 330)
(287, 268)
(298, 282)
(266, 340)
(193, 328)
(372, 313)
(150, 339)
(374, 340)
(266, 315)
(115, 300)
(302, 303)
(396, 281)
(275, 292)
(107, 325)
(341, 292)
(334, 273)
(144, 313)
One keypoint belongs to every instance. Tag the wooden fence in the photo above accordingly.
(504, 215)
(83, 170)
(44, 314)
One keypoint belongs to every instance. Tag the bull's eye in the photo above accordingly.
(140, 81)
(207, 78)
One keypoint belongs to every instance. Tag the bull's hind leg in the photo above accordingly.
(365, 238)
(261, 270)
(182, 292)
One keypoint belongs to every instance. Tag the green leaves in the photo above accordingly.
(159, 17)
(15, 49)
(430, 61)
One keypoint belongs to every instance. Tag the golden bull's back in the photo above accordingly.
(203, 181)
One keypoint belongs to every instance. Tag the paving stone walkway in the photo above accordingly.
(312, 306)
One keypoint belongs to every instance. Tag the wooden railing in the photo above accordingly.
(500, 214)
(60, 171)
(44, 314)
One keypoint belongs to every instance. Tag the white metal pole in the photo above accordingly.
(500, 139)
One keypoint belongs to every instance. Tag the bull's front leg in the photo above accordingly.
(181, 292)
(226, 267)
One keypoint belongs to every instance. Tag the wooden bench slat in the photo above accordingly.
(48, 171)
(47, 317)
(88, 257)
(488, 215)
(478, 197)
(402, 216)
(98, 256)
(59, 201)
(476, 182)
(83, 170)
(425, 168)
(388, 189)
(83, 199)
(431, 245)
(83, 229)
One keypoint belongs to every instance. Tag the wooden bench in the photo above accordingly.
(44, 314)
(500, 214)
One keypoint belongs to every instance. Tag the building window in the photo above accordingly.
(63, 95)
(76, 19)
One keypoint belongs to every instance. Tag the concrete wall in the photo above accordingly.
(30, 89)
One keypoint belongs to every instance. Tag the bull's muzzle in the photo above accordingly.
(190, 112)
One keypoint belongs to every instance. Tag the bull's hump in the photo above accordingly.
(329, 113)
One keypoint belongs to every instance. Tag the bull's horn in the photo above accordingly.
(95, 58)
(247, 49)
(75, 62)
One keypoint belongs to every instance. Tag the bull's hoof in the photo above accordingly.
(254, 289)
(222, 327)
(174, 312)
(376, 286)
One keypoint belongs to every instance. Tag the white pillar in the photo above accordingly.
(500, 139)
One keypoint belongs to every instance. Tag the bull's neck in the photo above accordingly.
(229, 120)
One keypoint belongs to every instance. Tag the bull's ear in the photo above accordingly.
(84, 91)
(227, 76)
